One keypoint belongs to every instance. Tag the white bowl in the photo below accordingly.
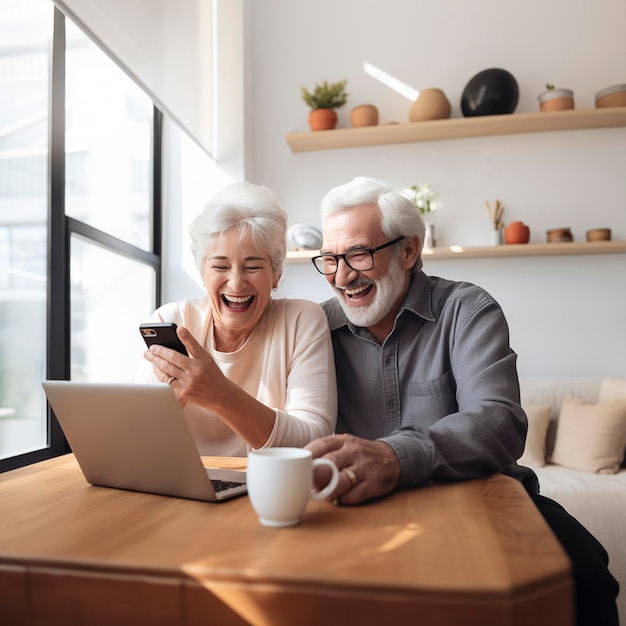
(305, 236)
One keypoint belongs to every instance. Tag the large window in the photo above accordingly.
(25, 31)
(108, 191)
(110, 296)
(79, 220)
(108, 127)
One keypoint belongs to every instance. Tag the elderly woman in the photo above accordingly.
(260, 371)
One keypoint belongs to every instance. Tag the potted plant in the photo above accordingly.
(323, 100)
(556, 99)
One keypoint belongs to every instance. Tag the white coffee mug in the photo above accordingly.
(280, 483)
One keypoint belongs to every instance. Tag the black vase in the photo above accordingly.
(490, 92)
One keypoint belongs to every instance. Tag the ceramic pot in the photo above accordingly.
(491, 92)
(614, 96)
(322, 119)
(516, 232)
(560, 235)
(364, 115)
(556, 100)
(431, 104)
(599, 234)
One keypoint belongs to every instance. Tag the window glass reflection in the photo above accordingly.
(110, 296)
(25, 32)
(107, 143)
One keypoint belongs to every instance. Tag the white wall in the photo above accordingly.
(566, 313)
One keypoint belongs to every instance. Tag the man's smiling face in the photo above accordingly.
(369, 298)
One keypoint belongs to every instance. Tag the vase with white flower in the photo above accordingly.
(426, 201)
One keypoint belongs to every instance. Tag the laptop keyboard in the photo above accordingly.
(222, 485)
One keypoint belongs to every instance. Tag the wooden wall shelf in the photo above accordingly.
(486, 252)
(457, 128)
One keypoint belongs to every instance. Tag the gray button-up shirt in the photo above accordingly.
(442, 390)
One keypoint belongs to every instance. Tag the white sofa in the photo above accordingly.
(590, 436)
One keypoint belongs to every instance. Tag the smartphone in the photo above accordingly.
(163, 334)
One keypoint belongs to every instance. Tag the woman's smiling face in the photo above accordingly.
(238, 278)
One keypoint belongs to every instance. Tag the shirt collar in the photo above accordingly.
(419, 298)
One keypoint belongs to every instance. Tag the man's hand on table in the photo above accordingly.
(369, 469)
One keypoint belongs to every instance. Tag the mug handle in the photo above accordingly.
(334, 479)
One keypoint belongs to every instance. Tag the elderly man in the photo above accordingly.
(427, 380)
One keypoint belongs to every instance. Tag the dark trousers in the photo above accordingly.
(595, 589)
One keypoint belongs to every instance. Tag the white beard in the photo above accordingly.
(388, 290)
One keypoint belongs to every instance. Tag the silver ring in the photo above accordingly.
(351, 477)
(171, 380)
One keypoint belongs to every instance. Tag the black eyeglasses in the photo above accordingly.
(357, 260)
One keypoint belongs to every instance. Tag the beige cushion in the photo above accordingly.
(612, 390)
(590, 437)
(535, 449)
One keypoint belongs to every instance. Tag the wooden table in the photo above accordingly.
(464, 553)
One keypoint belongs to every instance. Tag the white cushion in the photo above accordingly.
(612, 390)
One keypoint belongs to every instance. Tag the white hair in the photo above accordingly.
(249, 208)
(398, 214)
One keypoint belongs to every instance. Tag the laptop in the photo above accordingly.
(135, 437)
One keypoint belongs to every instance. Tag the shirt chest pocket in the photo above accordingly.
(429, 401)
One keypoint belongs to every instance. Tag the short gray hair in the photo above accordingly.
(249, 208)
(399, 215)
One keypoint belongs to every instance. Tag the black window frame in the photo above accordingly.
(60, 229)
